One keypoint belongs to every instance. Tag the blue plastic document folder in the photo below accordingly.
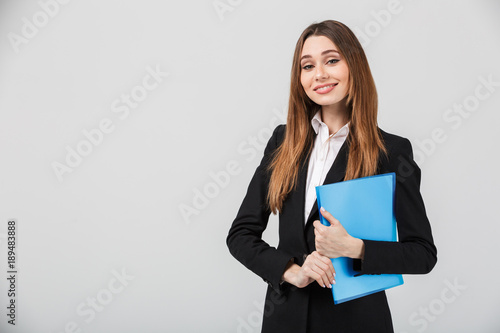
(365, 207)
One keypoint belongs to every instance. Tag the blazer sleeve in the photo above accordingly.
(415, 252)
(244, 239)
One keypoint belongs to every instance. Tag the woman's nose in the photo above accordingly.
(320, 72)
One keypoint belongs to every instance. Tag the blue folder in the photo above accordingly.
(365, 207)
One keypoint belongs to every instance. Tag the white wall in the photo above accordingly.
(228, 76)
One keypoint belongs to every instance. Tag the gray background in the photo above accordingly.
(226, 89)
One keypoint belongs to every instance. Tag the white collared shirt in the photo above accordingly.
(323, 154)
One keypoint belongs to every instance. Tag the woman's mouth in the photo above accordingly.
(325, 88)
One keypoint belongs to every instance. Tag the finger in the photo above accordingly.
(329, 217)
(311, 273)
(316, 269)
(316, 232)
(326, 274)
(318, 225)
(324, 263)
(319, 232)
(318, 241)
(329, 269)
(325, 268)
(322, 277)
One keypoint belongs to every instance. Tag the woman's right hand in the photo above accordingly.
(315, 268)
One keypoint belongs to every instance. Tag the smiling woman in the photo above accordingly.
(331, 135)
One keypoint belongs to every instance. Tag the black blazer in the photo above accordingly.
(311, 309)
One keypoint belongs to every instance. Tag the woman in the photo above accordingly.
(331, 135)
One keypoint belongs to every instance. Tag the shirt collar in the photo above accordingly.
(316, 123)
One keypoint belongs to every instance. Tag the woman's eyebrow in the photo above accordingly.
(322, 53)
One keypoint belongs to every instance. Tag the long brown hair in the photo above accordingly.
(364, 139)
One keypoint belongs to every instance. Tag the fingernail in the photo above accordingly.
(333, 275)
(330, 286)
(324, 286)
(334, 282)
(322, 209)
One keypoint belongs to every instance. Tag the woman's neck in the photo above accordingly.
(334, 116)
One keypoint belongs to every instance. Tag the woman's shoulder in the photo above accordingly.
(280, 130)
(399, 159)
(278, 134)
(395, 143)
(275, 140)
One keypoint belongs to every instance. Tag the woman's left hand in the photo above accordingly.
(334, 241)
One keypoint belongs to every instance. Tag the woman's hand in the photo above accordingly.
(334, 241)
(315, 268)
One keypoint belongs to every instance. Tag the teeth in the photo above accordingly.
(325, 87)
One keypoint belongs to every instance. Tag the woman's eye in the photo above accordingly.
(333, 61)
(306, 67)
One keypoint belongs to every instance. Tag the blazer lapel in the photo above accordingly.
(297, 199)
(334, 175)
(300, 197)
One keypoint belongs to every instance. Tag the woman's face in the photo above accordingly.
(324, 73)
